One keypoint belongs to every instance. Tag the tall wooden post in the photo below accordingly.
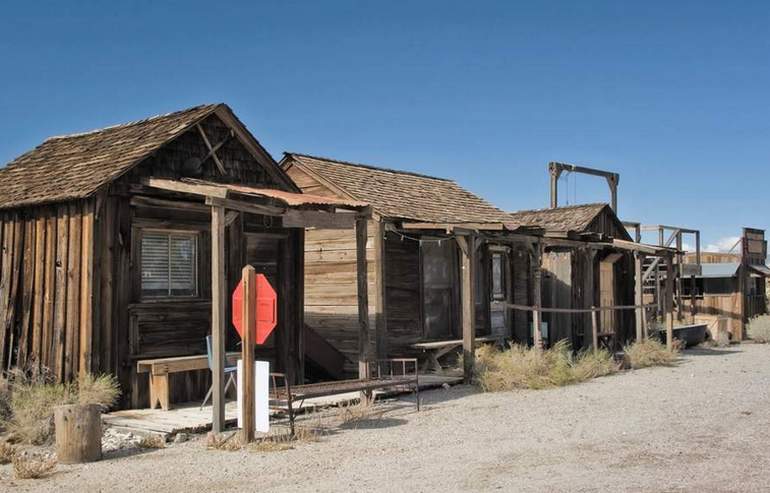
(670, 302)
(249, 316)
(467, 246)
(537, 291)
(679, 261)
(363, 298)
(218, 293)
(638, 295)
(594, 329)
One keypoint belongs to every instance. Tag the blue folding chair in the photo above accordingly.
(230, 372)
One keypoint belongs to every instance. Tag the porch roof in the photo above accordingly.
(263, 201)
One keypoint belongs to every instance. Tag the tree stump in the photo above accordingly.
(78, 433)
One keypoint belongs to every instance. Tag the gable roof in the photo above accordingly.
(75, 166)
(399, 194)
(568, 219)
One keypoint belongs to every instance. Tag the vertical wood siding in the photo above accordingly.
(43, 299)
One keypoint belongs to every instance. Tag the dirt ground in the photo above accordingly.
(703, 425)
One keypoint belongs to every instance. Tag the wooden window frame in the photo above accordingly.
(196, 236)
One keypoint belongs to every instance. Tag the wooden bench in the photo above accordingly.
(436, 349)
(394, 373)
(160, 369)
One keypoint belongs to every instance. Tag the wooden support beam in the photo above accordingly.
(594, 330)
(638, 295)
(263, 210)
(363, 298)
(218, 304)
(670, 303)
(536, 261)
(212, 151)
(679, 262)
(380, 319)
(87, 290)
(249, 316)
(468, 294)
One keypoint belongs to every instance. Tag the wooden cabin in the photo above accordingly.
(589, 261)
(123, 244)
(428, 238)
(730, 286)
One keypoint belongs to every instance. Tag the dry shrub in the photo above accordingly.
(152, 442)
(361, 410)
(594, 364)
(229, 442)
(33, 396)
(758, 329)
(5, 401)
(103, 390)
(32, 466)
(307, 434)
(7, 452)
(649, 352)
(522, 367)
(284, 441)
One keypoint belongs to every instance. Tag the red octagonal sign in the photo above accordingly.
(267, 309)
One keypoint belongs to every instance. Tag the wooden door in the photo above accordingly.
(500, 319)
(438, 263)
(263, 253)
(608, 318)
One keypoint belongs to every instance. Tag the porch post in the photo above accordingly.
(218, 316)
(638, 295)
(670, 302)
(363, 298)
(467, 246)
(536, 261)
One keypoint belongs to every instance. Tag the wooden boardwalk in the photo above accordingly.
(188, 417)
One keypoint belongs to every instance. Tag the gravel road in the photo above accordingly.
(703, 425)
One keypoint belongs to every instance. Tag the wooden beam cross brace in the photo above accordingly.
(212, 150)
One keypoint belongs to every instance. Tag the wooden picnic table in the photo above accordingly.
(436, 349)
(160, 368)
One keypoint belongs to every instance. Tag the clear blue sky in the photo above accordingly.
(672, 95)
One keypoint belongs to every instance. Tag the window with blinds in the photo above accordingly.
(169, 264)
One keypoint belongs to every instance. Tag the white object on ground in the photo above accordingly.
(261, 395)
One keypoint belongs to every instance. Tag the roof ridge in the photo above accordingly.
(368, 166)
(545, 209)
(131, 123)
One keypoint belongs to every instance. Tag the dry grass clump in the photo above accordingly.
(361, 410)
(758, 329)
(103, 390)
(229, 442)
(594, 364)
(152, 442)
(32, 466)
(521, 367)
(649, 352)
(31, 396)
(7, 452)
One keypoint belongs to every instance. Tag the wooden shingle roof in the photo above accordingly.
(400, 195)
(576, 218)
(75, 166)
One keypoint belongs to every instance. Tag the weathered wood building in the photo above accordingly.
(589, 261)
(124, 243)
(730, 286)
(428, 241)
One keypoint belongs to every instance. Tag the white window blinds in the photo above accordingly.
(169, 264)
